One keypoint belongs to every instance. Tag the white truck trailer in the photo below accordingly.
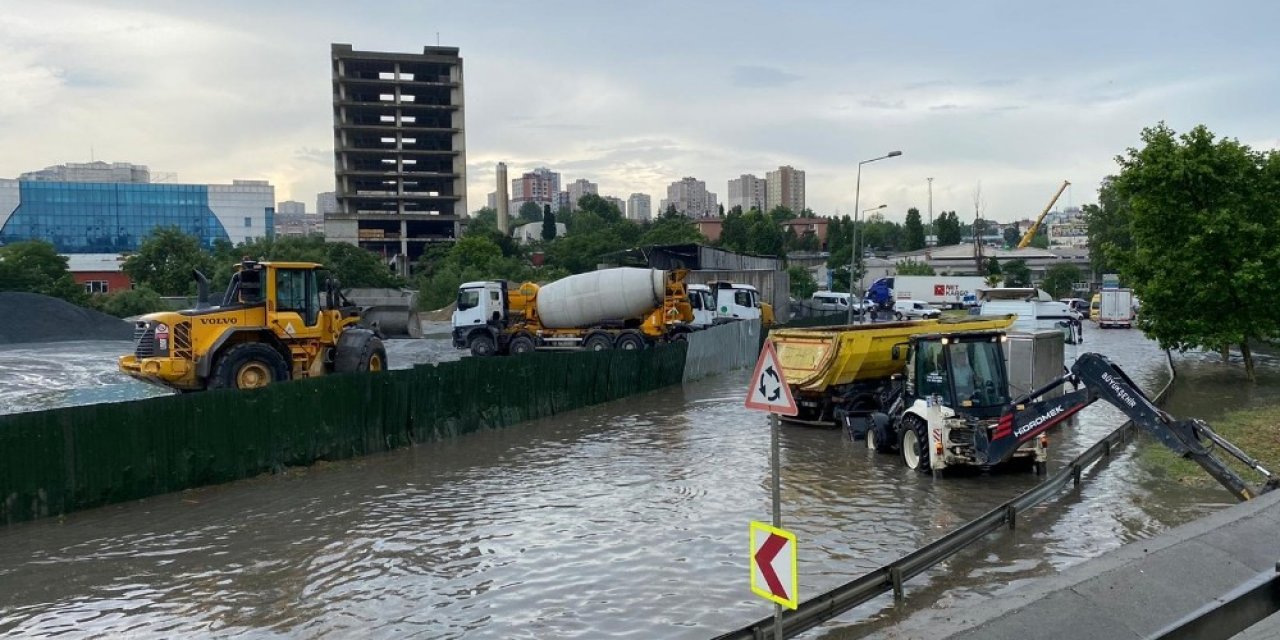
(951, 292)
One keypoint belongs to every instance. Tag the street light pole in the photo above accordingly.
(857, 236)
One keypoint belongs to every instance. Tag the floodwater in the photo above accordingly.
(628, 519)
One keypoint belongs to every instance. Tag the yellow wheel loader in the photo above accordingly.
(272, 324)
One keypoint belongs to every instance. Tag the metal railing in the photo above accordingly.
(890, 577)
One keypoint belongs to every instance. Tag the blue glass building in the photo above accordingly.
(91, 217)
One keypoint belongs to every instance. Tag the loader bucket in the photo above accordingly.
(391, 313)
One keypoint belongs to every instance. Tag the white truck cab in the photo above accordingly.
(479, 303)
(703, 303)
(735, 301)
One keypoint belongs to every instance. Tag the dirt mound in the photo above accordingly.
(31, 317)
(439, 315)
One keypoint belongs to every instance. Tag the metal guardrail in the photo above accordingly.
(1231, 613)
(890, 577)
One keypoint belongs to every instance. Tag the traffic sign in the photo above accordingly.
(769, 390)
(773, 565)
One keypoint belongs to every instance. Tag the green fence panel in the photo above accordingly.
(58, 461)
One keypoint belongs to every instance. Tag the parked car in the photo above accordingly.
(913, 310)
(1079, 306)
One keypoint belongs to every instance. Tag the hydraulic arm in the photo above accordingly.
(1192, 439)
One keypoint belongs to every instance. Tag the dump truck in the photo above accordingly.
(834, 369)
(622, 308)
(270, 325)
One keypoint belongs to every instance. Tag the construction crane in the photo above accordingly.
(1035, 226)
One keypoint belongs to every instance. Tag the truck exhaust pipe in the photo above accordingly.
(202, 289)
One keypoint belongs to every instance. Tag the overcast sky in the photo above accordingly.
(633, 95)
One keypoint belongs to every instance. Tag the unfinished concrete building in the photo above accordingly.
(399, 150)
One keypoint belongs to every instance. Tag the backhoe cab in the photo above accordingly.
(271, 325)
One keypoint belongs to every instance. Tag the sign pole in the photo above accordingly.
(776, 464)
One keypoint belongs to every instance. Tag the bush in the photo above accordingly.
(130, 302)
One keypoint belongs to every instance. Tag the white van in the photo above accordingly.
(830, 301)
(1036, 311)
(913, 310)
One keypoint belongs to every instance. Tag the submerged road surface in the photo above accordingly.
(628, 519)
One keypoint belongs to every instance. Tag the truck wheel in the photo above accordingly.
(520, 345)
(249, 365)
(630, 342)
(897, 316)
(913, 442)
(598, 342)
(482, 345)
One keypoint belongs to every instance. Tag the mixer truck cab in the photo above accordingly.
(739, 302)
(623, 308)
(703, 304)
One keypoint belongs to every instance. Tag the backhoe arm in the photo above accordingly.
(1184, 437)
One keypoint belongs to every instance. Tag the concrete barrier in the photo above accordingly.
(722, 348)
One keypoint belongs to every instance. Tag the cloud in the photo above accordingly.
(761, 77)
(881, 103)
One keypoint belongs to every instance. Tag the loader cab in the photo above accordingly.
(480, 303)
(967, 371)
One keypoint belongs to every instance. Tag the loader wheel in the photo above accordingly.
(482, 346)
(913, 442)
(249, 365)
(630, 342)
(520, 344)
(373, 357)
(599, 342)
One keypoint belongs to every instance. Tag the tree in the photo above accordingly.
(164, 262)
(130, 302)
(531, 212)
(485, 216)
(802, 283)
(913, 268)
(548, 224)
(1011, 236)
(1108, 228)
(735, 231)
(1041, 239)
(1204, 219)
(1059, 280)
(680, 230)
(781, 214)
(356, 267)
(34, 266)
(913, 231)
(993, 266)
(948, 228)
(1016, 273)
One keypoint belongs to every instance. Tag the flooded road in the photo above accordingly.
(628, 519)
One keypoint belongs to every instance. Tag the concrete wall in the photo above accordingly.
(722, 348)
(774, 286)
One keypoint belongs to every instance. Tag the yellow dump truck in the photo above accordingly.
(834, 369)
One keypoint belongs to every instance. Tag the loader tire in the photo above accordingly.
(913, 443)
(359, 350)
(249, 365)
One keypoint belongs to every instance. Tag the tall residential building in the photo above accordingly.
(690, 197)
(291, 207)
(579, 188)
(748, 192)
(540, 186)
(639, 207)
(326, 202)
(115, 172)
(786, 189)
(399, 150)
(619, 203)
(115, 217)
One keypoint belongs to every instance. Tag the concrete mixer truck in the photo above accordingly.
(623, 308)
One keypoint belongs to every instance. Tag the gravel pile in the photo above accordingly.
(31, 317)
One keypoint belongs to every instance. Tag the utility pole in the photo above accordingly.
(931, 229)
